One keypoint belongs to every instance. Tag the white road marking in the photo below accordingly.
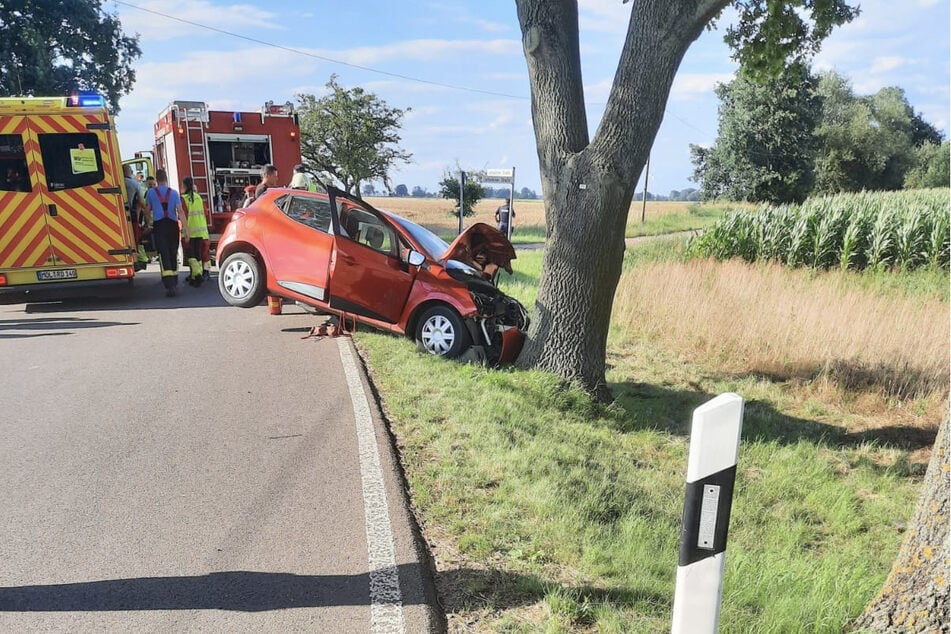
(386, 602)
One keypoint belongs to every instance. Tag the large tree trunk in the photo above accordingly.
(588, 186)
(915, 595)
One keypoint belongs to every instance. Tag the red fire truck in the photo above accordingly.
(224, 151)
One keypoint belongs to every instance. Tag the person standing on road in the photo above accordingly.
(164, 206)
(268, 180)
(195, 239)
(134, 206)
(504, 216)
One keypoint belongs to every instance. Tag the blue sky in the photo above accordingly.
(462, 51)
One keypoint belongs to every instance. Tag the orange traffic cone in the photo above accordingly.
(274, 304)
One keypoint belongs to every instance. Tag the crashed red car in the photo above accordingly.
(338, 254)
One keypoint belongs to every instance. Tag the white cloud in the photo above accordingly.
(427, 50)
(158, 20)
(689, 85)
(888, 63)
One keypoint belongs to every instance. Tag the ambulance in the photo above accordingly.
(62, 217)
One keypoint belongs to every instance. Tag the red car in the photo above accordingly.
(337, 253)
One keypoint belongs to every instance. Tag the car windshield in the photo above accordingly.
(433, 245)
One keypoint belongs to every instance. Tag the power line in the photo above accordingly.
(320, 57)
(331, 60)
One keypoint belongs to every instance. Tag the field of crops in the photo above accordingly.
(877, 230)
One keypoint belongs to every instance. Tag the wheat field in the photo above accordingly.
(437, 214)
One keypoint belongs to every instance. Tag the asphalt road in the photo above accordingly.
(178, 465)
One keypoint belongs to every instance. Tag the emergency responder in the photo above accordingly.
(268, 179)
(300, 180)
(164, 206)
(133, 207)
(195, 235)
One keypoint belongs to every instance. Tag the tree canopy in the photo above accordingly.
(783, 139)
(449, 188)
(53, 48)
(765, 149)
(349, 136)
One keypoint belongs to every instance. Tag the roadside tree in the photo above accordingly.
(915, 597)
(349, 136)
(932, 167)
(449, 188)
(51, 48)
(765, 145)
(588, 183)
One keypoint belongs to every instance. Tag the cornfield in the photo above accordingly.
(901, 230)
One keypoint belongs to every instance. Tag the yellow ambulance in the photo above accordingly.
(62, 216)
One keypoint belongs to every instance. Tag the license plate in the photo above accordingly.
(58, 274)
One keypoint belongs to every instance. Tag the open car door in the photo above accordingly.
(367, 276)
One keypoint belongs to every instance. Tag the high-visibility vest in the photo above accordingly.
(196, 225)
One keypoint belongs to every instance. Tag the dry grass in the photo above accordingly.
(437, 213)
(791, 324)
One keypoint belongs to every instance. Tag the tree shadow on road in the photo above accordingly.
(243, 591)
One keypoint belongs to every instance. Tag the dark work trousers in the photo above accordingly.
(166, 243)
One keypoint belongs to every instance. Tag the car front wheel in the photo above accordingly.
(241, 280)
(441, 331)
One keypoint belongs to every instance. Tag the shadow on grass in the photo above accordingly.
(498, 590)
(656, 407)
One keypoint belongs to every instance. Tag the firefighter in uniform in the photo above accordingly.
(198, 253)
(165, 206)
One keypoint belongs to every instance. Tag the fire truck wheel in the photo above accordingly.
(241, 280)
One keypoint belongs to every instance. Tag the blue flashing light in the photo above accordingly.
(86, 99)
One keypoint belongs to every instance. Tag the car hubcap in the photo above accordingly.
(438, 335)
(238, 279)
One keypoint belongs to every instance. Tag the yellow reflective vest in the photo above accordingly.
(196, 225)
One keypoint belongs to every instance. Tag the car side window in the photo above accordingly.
(313, 212)
(365, 228)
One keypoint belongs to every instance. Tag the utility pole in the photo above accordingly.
(647, 169)
(462, 196)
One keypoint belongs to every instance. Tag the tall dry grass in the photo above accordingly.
(436, 213)
(790, 323)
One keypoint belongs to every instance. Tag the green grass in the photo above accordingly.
(571, 510)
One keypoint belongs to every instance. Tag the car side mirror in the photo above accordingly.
(416, 258)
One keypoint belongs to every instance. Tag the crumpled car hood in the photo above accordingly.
(479, 245)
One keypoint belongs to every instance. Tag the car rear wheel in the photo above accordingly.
(241, 280)
(441, 331)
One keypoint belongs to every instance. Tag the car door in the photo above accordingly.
(24, 237)
(367, 276)
(297, 243)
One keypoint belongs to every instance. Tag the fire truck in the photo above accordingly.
(224, 151)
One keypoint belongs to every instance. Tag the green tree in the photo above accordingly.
(449, 188)
(349, 136)
(765, 146)
(866, 142)
(588, 183)
(401, 190)
(52, 48)
(932, 166)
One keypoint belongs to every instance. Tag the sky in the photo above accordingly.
(459, 71)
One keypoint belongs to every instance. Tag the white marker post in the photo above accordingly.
(711, 472)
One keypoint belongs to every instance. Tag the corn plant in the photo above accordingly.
(879, 230)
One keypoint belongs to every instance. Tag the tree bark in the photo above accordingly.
(915, 595)
(588, 186)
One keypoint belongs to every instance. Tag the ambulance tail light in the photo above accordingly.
(118, 272)
(86, 99)
(3, 279)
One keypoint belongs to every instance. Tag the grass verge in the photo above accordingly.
(548, 512)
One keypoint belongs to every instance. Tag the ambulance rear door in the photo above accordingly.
(24, 239)
(79, 178)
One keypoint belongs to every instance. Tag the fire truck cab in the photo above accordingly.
(224, 151)
(62, 214)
